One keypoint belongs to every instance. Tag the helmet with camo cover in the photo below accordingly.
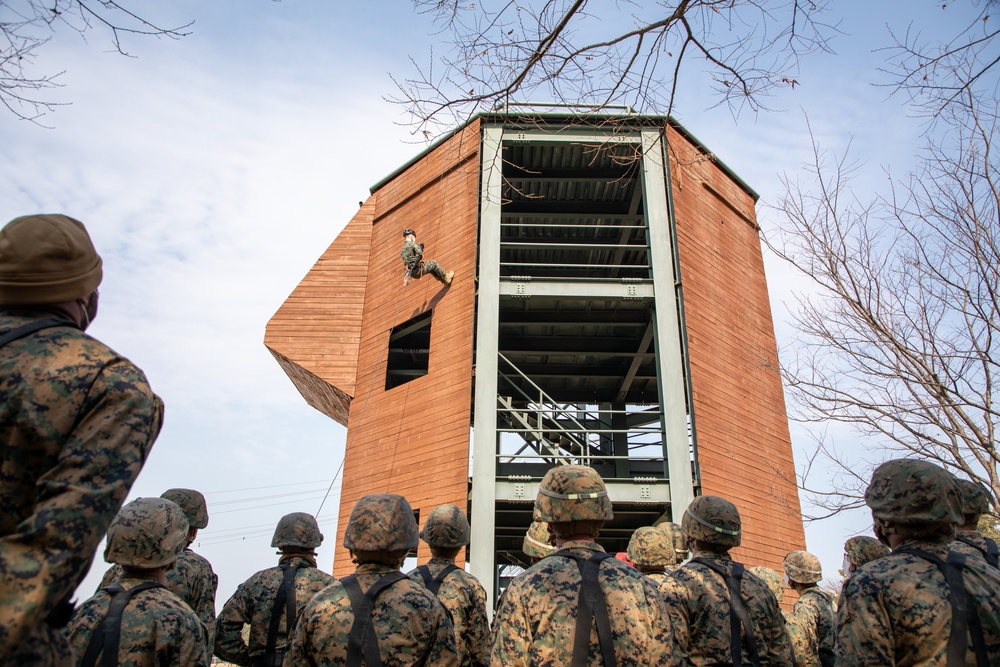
(193, 504)
(771, 578)
(297, 529)
(863, 549)
(714, 520)
(975, 498)
(573, 493)
(446, 528)
(676, 537)
(651, 548)
(147, 533)
(381, 522)
(910, 491)
(803, 567)
(536, 541)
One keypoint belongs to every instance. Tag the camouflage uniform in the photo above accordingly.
(896, 610)
(771, 578)
(157, 628)
(409, 624)
(700, 598)
(253, 602)
(465, 600)
(975, 503)
(537, 619)
(413, 254)
(811, 629)
(77, 422)
(676, 536)
(537, 541)
(651, 552)
(463, 597)
(860, 550)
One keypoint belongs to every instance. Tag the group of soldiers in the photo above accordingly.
(77, 422)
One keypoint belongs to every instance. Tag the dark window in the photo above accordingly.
(409, 351)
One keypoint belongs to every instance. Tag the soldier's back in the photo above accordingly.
(253, 604)
(975, 546)
(157, 629)
(464, 598)
(699, 602)
(895, 610)
(536, 622)
(814, 615)
(410, 625)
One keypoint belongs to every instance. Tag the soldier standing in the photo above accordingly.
(271, 600)
(377, 612)
(651, 552)
(813, 614)
(447, 532)
(968, 539)
(860, 550)
(580, 605)
(191, 578)
(676, 537)
(137, 620)
(77, 422)
(537, 543)
(413, 254)
(723, 614)
(900, 609)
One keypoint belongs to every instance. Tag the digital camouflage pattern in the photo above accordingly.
(978, 548)
(537, 542)
(536, 622)
(147, 533)
(914, 491)
(650, 547)
(975, 499)
(446, 528)
(700, 614)
(714, 520)
(158, 629)
(192, 503)
(863, 549)
(253, 603)
(77, 422)
(895, 610)
(677, 538)
(297, 529)
(381, 522)
(410, 624)
(192, 580)
(412, 254)
(803, 567)
(774, 581)
(811, 629)
(572, 493)
(465, 600)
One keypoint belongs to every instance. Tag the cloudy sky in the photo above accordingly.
(212, 171)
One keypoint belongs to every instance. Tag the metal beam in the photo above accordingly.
(641, 491)
(556, 288)
(640, 356)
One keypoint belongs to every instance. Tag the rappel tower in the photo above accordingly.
(609, 308)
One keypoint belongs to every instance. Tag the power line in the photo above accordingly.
(273, 486)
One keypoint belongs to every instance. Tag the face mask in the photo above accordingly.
(788, 582)
(848, 566)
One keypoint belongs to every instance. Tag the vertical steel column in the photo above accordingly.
(669, 355)
(482, 550)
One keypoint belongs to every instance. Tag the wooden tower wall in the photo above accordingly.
(744, 446)
(414, 438)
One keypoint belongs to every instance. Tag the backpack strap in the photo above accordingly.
(964, 613)
(362, 639)
(738, 614)
(990, 554)
(284, 605)
(107, 637)
(591, 606)
(432, 583)
(32, 327)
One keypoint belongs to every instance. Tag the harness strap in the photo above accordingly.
(362, 639)
(432, 583)
(591, 606)
(32, 327)
(738, 614)
(964, 613)
(284, 604)
(107, 637)
(992, 554)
